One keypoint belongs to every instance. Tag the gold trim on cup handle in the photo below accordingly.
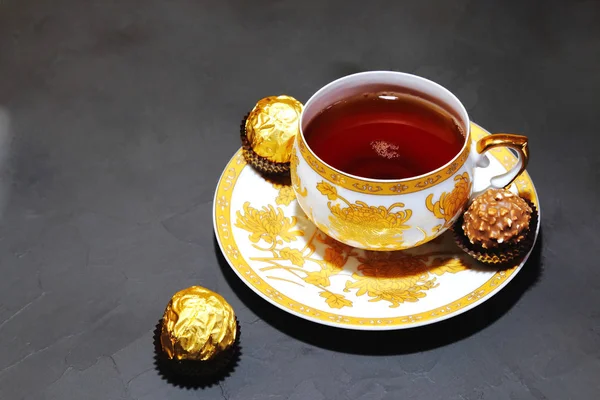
(516, 142)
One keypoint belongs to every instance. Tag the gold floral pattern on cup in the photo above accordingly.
(451, 203)
(359, 222)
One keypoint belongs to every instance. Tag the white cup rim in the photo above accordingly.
(458, 107)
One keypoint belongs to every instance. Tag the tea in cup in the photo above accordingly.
(385, 161)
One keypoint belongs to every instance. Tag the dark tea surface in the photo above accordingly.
(385, 136)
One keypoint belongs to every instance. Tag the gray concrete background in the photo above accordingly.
(117, 117)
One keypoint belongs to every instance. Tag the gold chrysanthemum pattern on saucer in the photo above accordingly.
(280, 254)
(285, 196)
(398, 277)
(394, 277)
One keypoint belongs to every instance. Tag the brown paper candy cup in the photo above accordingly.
(260, 163)
(196, 373)
(504, 253)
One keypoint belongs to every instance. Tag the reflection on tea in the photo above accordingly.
(385, 135)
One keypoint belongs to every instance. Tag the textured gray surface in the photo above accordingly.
(117, 117)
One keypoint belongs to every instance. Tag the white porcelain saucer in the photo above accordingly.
(284, 258)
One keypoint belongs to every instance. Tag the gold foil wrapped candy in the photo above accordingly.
(269, 131)
(197, 325)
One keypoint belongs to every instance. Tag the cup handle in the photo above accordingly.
(516, 142)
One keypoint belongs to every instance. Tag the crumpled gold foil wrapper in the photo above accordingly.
(197, 325)
(272, 126)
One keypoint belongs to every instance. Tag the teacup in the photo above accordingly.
(393, 214)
